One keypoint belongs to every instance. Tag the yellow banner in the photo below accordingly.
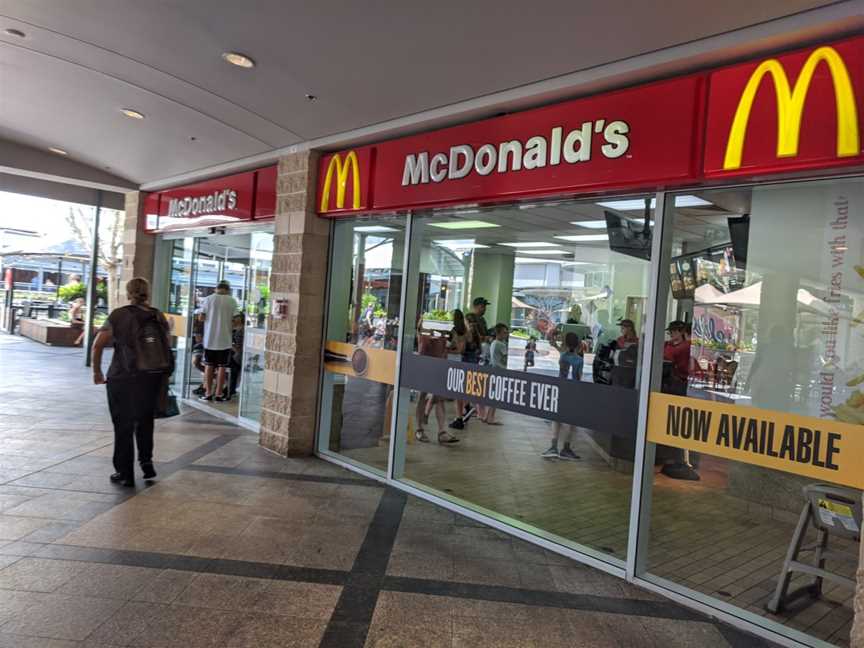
(822, 449)
(361, 362)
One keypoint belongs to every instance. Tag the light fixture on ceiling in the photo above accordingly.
(591, 224)
(375, 228)
(543, 252)
(584, 238)
(238, 59)
(17, 33)
(530, 244)
(466, 224)
(58, 151)
(310, 97)
(639, 203)
(131, 113)
(459, 244)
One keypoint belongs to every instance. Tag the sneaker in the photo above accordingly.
(205, 398)
(420, 435)
(457, 424)
(222, 399)
(551, 453)
(149, 470)
(199, 391)
(568, 455)
(445, 438)
(119, 478)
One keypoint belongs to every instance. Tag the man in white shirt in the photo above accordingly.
(217, 313)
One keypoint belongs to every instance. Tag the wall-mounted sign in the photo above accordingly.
(798, 110)
(344, 181)
(213, 203)
(636, 137)
(823, 449)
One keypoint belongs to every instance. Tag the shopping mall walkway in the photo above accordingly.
(234, 546)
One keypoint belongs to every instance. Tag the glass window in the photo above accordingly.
(362, 332)
(518, 381)
(764, 318)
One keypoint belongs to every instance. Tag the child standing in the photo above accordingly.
(530, 350)
(570, 365)
(498, 359)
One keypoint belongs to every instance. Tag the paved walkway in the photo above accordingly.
(233, 546)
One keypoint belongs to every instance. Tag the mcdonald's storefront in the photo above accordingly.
(628, 328)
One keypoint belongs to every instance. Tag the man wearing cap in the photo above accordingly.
(217, 312)
(476, 319)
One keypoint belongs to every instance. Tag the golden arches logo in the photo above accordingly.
(342, 169)
(790, 106)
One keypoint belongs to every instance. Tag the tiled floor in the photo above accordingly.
(233, 546)
(702, 537)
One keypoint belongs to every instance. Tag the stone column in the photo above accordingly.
(139, 247)
(293, 347)
(857, 638)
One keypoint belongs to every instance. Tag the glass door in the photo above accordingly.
(177, 304)
(256, 308)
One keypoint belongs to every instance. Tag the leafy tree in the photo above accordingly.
(110, 252)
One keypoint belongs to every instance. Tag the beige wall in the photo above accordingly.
(139, 247)
(293, 356)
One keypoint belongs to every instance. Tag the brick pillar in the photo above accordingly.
(857, 636)
(293, 347)
(139, 247)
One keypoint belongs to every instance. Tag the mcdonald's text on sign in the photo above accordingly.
(800, 110)
(817, 448)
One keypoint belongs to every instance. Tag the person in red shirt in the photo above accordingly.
(676, 361)
(676, 351)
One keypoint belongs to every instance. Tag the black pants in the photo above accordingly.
(132, 402)
(235, 369)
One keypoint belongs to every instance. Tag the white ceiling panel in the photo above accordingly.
(366, 62)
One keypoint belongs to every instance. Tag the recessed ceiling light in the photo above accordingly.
(375, 228)
(466, 224)
(530, 244)
(56, 150)
(311, 97)
(591, 224)
(16, 32)
(582, 238)
(238, 59)
(133, 114)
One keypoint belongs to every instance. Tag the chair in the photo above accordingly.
(833, 511)
(725, 372)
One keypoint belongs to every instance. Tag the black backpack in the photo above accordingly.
(147, 348)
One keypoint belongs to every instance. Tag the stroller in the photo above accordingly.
(604, 363)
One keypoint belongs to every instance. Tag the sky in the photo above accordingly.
(48, 217)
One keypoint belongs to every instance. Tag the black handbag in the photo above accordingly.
(166, 405)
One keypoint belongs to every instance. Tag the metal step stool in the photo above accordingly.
(833, 511)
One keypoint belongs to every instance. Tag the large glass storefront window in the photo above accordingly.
(362, 332)
(766, 343)
(518, 378)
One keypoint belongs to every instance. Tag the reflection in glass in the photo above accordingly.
(361, 338)
(518, 378)
(766, 295)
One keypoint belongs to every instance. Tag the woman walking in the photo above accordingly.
(141, 363)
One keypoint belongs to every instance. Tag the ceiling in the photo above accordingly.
(80, 62)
